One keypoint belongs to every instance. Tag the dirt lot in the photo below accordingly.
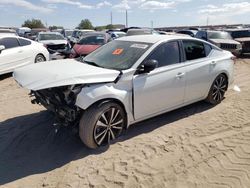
(196, 146)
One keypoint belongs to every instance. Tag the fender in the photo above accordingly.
(95, 93)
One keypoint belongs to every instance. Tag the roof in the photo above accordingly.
(152, 38)
(49, 32)
(237, 29)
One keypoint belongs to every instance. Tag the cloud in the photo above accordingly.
(230, 8)
(154, 5)
(70, 2)
(102, 4)
(123, 5)
(27, 5)
(226, 13)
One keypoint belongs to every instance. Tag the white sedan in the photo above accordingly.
(17, 51)
(129, 80)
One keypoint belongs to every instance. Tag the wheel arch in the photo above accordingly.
(41, 55)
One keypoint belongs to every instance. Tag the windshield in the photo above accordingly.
(118, 55)
(92, 40)
(68, 33)
(50, 37)
(219, 35)
(241, 34)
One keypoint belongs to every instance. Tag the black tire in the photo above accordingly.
(97, 128)
(40, 58)
(217, 90)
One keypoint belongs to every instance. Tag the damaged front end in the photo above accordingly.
(60, 101)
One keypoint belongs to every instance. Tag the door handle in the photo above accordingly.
(213, 62)
(20, 51)
(180, 75)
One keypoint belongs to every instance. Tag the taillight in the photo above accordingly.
(234, 59)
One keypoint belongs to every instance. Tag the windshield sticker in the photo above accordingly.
(118, 51)
(142, 46)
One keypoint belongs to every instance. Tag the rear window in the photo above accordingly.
(194, 49)
(92, 40)
(24, 42)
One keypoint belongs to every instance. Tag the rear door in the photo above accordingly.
(164, 87)
(198, 69)
(12, 56)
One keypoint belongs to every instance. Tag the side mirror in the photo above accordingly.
(148, 66)
(2, 47)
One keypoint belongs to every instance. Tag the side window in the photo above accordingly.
(166, 54)
(9, 42)
(194, 49)
(201, 35)
(208, 49)
(24, 42)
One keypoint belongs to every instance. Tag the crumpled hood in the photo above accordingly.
(53, 42)
(224, 41)
(61, 73)
(244, 39)
(85, 49)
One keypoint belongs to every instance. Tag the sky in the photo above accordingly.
(162, 13)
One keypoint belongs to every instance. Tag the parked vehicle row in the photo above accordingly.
(235, 40)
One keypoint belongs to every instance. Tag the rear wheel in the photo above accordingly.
(101, 123)
(39, 58)
(218, 89)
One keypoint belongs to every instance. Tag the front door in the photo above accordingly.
(164, 87)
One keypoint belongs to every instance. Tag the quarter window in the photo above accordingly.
(24, 42)
(194, 50)
(166, 54)
(9, 42)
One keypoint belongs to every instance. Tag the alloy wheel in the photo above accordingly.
(219, 88)
(109, 126)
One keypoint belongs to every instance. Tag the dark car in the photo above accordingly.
(243, 37)
(221, 39)
(191, 33)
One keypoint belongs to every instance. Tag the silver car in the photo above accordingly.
(128, 80)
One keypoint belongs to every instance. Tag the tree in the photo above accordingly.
(85, 24)
(110, 26)
(34, 23)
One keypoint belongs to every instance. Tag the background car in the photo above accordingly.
(89, 43)
(67, 33)
(242, 36)
(191, 33)
(131, 32)
(53, 41)
(77, 34)
(117, 34)
(129, 80)
(4, 32)
(16, 52)
(221, 39)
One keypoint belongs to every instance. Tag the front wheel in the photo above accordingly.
(39, 58)
(101, 123)
(217, 90)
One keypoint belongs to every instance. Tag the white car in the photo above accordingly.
(53, 41)
(129, 80)
(17, 51)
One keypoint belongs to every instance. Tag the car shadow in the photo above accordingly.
(4, 76)
(29, 144)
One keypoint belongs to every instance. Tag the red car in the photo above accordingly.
(89, 43)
